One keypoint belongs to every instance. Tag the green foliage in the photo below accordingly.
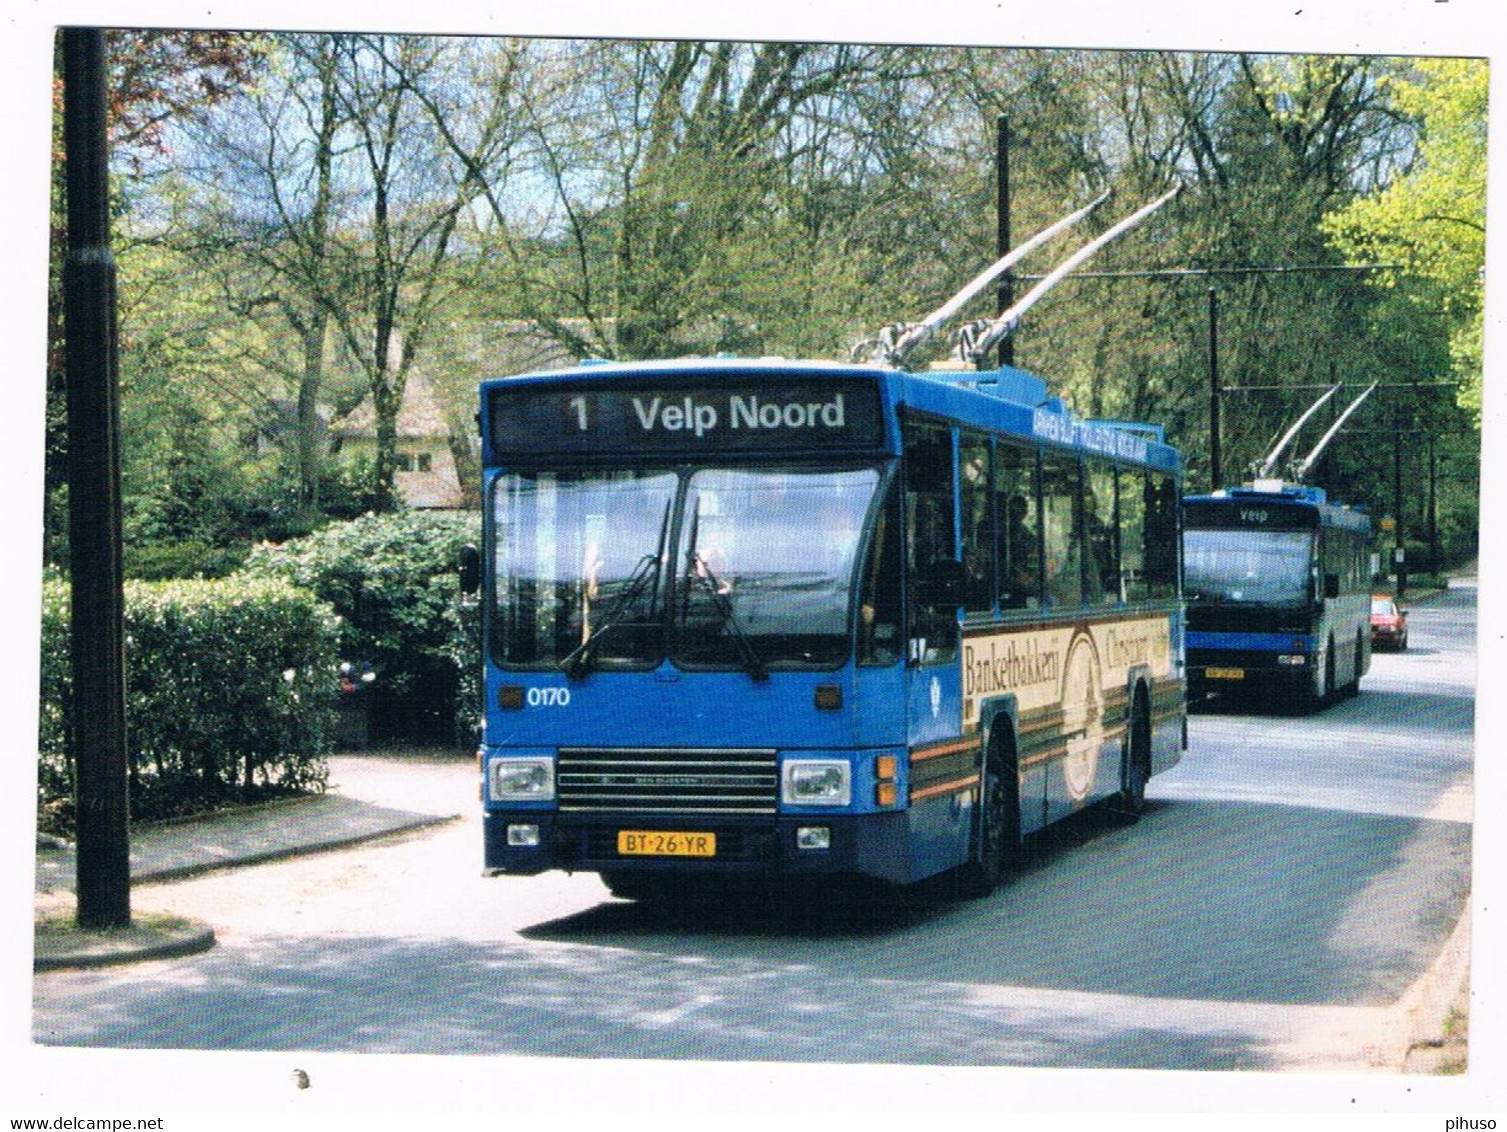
(392, 580)
(187, 474)
(642, 199)
(464, 650)
(1432, 220)
(190, 558)
(228, 694)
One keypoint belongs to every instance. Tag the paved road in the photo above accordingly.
(1289, 884)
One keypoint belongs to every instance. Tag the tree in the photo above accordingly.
(1432, 219)
(156, 79)
(639, 199)
(346, 201)
(701, 196)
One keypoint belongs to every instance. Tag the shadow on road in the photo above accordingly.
(1224, 901)
(410, 996)
(1348, 913)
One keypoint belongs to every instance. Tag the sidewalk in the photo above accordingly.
(246, 836)
(250, 835)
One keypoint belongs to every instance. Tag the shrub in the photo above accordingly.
(464, 649)
(228, 694)
(392, 580)
(155, 562)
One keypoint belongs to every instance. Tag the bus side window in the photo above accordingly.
(1161, 537)
(1132, 495)
(1063, 520)
(1101, 529)
(978, 523)
(930, 538)
(1019, 527)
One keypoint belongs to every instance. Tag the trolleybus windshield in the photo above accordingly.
(1246, 567)
(760, 575)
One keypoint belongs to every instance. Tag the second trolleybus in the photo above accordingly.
(1278, 586)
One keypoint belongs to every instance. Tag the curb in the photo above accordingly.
(78, 949)
(1422, 1011)
(58, 945)
(231, 812)
(194, 861)
(198, 868)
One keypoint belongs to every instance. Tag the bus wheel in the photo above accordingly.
(998, 831)
(1353, 688)
(1319, 684)
(1129, 804)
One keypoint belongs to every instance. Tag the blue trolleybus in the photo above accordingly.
(777, 619)
(1277, 581)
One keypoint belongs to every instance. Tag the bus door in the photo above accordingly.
(943, 762)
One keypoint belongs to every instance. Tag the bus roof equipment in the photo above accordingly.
(1263, 470)
(893, 344)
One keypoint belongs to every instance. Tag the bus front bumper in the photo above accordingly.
(528, 843)
(1214, 671)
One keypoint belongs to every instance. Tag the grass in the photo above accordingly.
(56, 922)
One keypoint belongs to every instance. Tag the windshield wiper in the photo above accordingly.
(578, 661)
(698, 568)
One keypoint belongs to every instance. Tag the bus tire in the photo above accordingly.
(998, 827)
(1129, 804)
(1318, 684)
(1353, 688)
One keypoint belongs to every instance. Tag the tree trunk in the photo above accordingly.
(386, 400)
(310, 457)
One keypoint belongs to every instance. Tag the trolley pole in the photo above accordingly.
(1216, 474)
(1002, 237)
(98, 734)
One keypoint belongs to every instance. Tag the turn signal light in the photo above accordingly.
(886, 767)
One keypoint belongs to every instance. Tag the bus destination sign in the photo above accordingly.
(789, 415)
(1271, 515)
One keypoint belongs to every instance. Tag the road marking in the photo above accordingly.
(663, 1018)
(1457, 803)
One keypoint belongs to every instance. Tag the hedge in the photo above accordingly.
(392, 580)
(229, 688)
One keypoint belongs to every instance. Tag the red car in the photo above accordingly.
(1389, 624)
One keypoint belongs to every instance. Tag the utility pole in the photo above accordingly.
(1399, 549)
(1002, 237)
(98, 736)
(1433, 509)
(1216, 474)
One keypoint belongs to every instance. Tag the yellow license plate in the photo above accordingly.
(1224, 673)
(665, 843)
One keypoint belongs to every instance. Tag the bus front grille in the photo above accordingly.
(668, 780)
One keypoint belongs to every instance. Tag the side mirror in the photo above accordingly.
(470, 570)
(942, 584)
(1331, 585)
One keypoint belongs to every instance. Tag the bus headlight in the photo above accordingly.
(521, 780)
(812, 782)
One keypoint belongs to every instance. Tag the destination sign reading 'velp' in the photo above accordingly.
(738, 416)
(1274, 515)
